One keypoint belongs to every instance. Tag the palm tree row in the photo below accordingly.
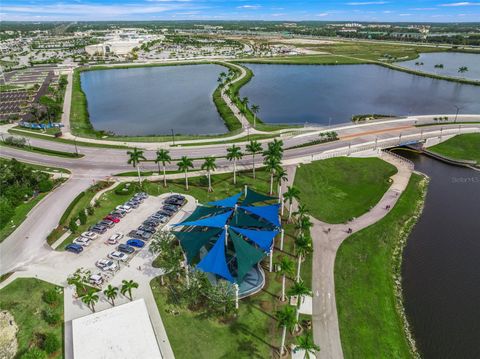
(272, 160)
(111, 293)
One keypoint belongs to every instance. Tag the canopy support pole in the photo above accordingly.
(246, 189)
(282, 236)
(226, 235)
(236, 295)
(282, 205)
(271, 261)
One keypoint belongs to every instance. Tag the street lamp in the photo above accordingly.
(456, 114)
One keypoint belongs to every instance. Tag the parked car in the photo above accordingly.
(74, 248)
(175, 201)
(106, 264)
(141, 195)
(133, 204)
(114, 219)
(170, 208)
(106, 223)
(84, 242)
(96, 279)
(89, 235)
(126, 249)
(120, 213)
(118, 256)
(98, 229)
(123, 207)
(136, 243)
(147, 228)
(152, 222)
(164, 213)
(158, 218)
(116, 236)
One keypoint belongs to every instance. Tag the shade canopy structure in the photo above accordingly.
(227, 238)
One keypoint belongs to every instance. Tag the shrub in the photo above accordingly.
(6, 211)
(51, 343)
(45, 185)
(51, 297)
(90, 210)
(82, 216)
(34, 353)
(51, 316)
(73, 225)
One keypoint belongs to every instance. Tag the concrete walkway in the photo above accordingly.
(326, 331)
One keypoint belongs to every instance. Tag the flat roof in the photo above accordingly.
(121, 332)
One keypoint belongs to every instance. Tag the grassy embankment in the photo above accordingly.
(43, 151)
(460, 147)
(367, 268)
(23, 298)
(338, 189)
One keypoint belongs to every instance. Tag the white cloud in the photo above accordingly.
(405, 14)
(367, 3)
(423, 9)
(322, 14)
(249, 7)
(465, 3)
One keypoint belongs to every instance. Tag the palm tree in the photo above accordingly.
(276, 146)
(303, 225)
(286, 269)
(209, 166)
(255, 109)
(127, 287)
(111, 293)
(234, 154)
(90, 299)
(135, 157)
(163, 156)
(298, 289)
(286, 320)
(463, 69)
(271, 162)
(305, 342)
(290, 194)
(245, 101)
(253, 148)
(301, 212)
(184, 165)
(280, 175)
(303, 246)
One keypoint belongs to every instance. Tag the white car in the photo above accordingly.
(83, 241)
(118, 256)
(106, 264)
(96, 279)
(124, 207)
(89, 235)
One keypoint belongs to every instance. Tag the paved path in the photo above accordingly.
(326, 331)
(67, 101)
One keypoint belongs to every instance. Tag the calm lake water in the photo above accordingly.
(441, 265)
(309, 93)
(154, 100)
(451, 61)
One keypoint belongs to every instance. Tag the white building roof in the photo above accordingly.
(121, 332)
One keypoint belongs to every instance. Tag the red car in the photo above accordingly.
(113, 219)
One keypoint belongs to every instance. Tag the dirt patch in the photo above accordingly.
(8, 335)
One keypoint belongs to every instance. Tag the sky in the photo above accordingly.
(275, 10)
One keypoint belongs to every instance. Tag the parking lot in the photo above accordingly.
(99, 249)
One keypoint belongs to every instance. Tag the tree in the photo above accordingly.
(253, 148)
(245, 101)
(462, 69)
(127, 287)
(135, 157)
(34, 353)
(163, 156)
(111, 293)
(305, 342)
(303, 225)
(169, 254)
(209, 166)
(90, 299)
(184, 165)
(286, 320)
(255, 109)
(82, 216)
(51, 343)
(286, 269)
(234, 154)
(303, 246)
(72, 225)
(291, 194)
(299, 290)
(301, 212)
(271, 162)
(280, 175)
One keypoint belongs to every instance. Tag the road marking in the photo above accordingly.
(376, 131)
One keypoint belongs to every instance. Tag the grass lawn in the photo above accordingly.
(460, 147)
(337, 189)
(23, 298)
(370, 324)
(44, 151)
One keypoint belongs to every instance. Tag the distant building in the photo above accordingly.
(120, 43)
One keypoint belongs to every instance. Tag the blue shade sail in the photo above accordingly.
(264, 239)
(215, 260)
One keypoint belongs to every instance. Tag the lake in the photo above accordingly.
(317, 93)
(441, 265)
(451, 61)
(154, 100)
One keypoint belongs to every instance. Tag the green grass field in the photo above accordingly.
(43, 151)
(370, 324)
(337, 189)
(460, 147)
(23, 298)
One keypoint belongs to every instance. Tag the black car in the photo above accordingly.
(164, 213)
(152, 222)
(98, 229)
(177, 196)
(125, 248)
(106, 223)
(147, 228)
(170, 209)
(133, 204)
